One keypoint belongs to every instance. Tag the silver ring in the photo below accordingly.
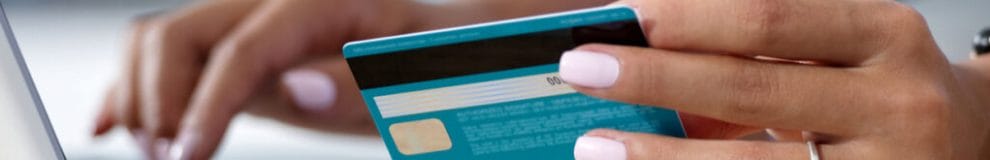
(813, 150)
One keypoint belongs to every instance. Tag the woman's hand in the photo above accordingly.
(191, 71)
(864, 76)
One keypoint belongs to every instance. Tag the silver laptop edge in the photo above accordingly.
(15, 50)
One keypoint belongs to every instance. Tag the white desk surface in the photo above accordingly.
(74, 48)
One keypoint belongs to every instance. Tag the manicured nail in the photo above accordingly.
(162, 146)
(589, 69)
(144, 142)
(183, 146)
(597, 148)
(141, 137)
(311, 90)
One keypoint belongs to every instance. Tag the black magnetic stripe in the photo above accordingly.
(487, 55)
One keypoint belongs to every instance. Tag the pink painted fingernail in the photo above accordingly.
(589, 69)
(162, 146)
(597, 148)
(311, 89)
(144, 142)
(184, 146)
(140, 137)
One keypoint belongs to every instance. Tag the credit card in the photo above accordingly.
(491, 90)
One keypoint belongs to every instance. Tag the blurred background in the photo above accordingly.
(74, 50)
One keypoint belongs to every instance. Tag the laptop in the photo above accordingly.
(25, 132)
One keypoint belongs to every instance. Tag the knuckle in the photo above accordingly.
(924, 108)
(751, 86)
(158, 37)
(665, 24)
(168, 28)
(758, 22)
(751, 78)
(642, 85)
(897, 18)
(922, 101)
(904, 14)
(928, 101)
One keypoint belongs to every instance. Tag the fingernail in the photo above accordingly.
(597, 148)
(589, 69)
(183, 146)
(311, 90)
(141, 138)
(144, 142)
(161, 149)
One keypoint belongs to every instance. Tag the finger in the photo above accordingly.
(262, 45)
(105, 119)
(172, 59)
(126, 94)
(320, 94)
(827, 31)
(726, 88)
(171, 62)
(142, 141)
(611, 144)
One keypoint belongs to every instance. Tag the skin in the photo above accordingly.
(865, 77)
(875, 85)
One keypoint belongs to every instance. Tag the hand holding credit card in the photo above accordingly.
(491, 91)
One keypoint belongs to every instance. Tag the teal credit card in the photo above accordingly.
(491, 91)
